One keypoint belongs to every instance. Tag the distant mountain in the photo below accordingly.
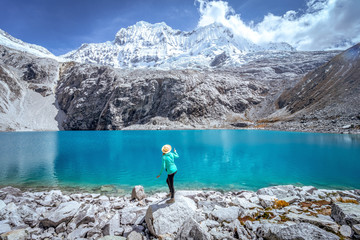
(158, 45)
(9, 41)
(329, 93)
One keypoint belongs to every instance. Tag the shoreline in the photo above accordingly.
(352, 131)
(263, 214)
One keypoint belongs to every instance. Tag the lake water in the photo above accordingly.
(209, 159)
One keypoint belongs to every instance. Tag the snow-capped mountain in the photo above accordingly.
(9, 41)
(158, 45)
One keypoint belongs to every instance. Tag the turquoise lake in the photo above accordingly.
(209, 159)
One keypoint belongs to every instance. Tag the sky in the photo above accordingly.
(62, 26)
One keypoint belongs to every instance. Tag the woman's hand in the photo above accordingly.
(174, 150)
(158, 176)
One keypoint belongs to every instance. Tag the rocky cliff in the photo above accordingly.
(101, 97)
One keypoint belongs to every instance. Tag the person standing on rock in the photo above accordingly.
(168, 163)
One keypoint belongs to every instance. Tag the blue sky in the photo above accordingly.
(61, 26)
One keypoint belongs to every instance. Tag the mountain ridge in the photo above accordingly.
(158, 45)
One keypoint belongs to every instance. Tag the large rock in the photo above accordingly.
(113, 227)
(162, 218)
(192, 230)
(85, 215)
(28, 215)
(266, 200)
(301, 231)
(321, 221)
(280, 192)
(225, 214)
(138, 193)
(63, 213)
(132, 215)
(346, 213)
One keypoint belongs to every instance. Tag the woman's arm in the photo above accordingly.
(176, 155)
(162, 166)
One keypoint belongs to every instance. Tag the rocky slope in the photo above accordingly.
(27, 84)
(328, 96)
(278, 212)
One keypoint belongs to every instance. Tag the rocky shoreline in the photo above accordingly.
(278, 212)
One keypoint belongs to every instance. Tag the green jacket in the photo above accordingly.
(168, 162)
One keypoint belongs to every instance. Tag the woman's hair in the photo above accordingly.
(163, 154)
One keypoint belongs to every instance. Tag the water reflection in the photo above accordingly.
(28, 157)
(225, 159)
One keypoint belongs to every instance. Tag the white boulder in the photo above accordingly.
(138, 193)
(63, 213)
(162, 218)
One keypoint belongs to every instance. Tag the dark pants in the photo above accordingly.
(170, 183)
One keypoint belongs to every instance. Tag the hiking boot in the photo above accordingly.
(171, 200)
(168, 195)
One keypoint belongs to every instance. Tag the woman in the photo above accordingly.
(169, 164)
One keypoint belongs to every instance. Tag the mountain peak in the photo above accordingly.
(158, 45)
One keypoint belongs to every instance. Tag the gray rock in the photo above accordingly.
(28, 215)
(279, 192)
(301, 231)
(345, 230)
(12, 191)
(48, 233)
(346, 213)
(63, 213)
(132, 215)
(356, 228)
(112, 238)
(226, 214)
(85, 215)
(291, 199)
(240, 231)
(19, 234)
(324, 222)
(78, 233)
(210, 223)
(220, 234)
(138, 193)
(305, 231)
(61, 228)
(135, 236)
(4, 228)
(192, 230)
(2, 195)
(2, 205)
(11, 214)
(113, 227)
(244, 203)
(266, 200)
(158, 216)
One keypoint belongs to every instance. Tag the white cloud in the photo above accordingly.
(325, 24)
